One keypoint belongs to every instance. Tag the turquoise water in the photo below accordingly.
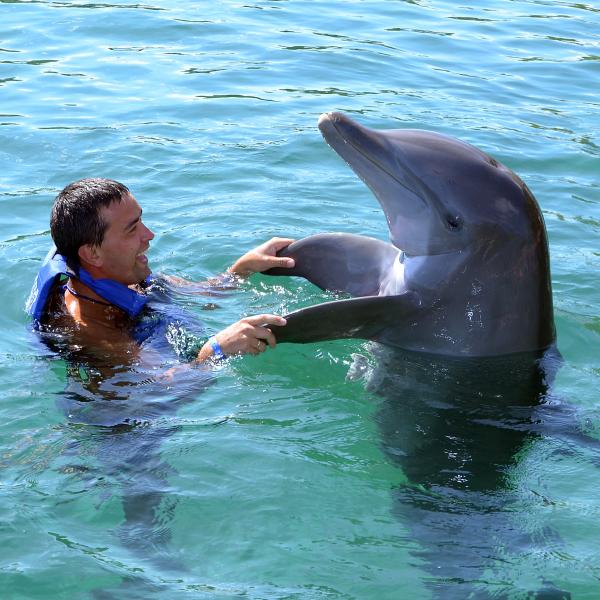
(272, 482)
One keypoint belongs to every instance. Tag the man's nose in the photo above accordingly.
(148, 235)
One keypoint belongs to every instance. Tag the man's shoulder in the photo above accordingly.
(55, 311)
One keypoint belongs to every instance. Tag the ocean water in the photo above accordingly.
(272, 477)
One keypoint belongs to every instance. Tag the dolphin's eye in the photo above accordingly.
(454, 222)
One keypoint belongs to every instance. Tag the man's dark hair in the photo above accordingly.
(75, 219)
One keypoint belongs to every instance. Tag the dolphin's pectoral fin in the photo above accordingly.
(363, 318)
(341, 262)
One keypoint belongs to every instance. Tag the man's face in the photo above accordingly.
(126, 240)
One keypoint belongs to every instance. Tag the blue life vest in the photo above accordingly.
(55, 265)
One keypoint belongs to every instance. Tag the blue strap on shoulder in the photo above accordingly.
(55, 265)
(52, 267)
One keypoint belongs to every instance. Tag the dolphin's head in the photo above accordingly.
(439, 194)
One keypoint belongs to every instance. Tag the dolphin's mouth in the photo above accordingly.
(395, 169)
(329, 125)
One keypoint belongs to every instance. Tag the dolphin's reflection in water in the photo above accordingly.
(456, 427)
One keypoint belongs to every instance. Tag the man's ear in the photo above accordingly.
(89, 253)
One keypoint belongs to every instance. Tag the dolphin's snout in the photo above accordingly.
(327, 123)
(331, 121)
(330, 117)
(324, 118)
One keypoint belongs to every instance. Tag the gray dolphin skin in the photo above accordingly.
(461, 301)
(467, 270)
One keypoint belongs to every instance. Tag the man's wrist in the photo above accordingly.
(216, 348)
(207, 352)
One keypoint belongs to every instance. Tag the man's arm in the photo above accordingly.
(262, 258)
(248, 336)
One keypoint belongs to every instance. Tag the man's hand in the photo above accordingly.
(262, 258)
(247, 336)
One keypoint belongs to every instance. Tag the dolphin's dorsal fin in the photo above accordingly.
(362, 318)
(341, 262)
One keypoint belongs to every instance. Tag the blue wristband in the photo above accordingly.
(218, 351)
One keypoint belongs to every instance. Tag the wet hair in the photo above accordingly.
(76, 220)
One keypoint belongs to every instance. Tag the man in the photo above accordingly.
(97, 227)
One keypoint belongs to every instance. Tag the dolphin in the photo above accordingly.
(466, 271)
(461, 300)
